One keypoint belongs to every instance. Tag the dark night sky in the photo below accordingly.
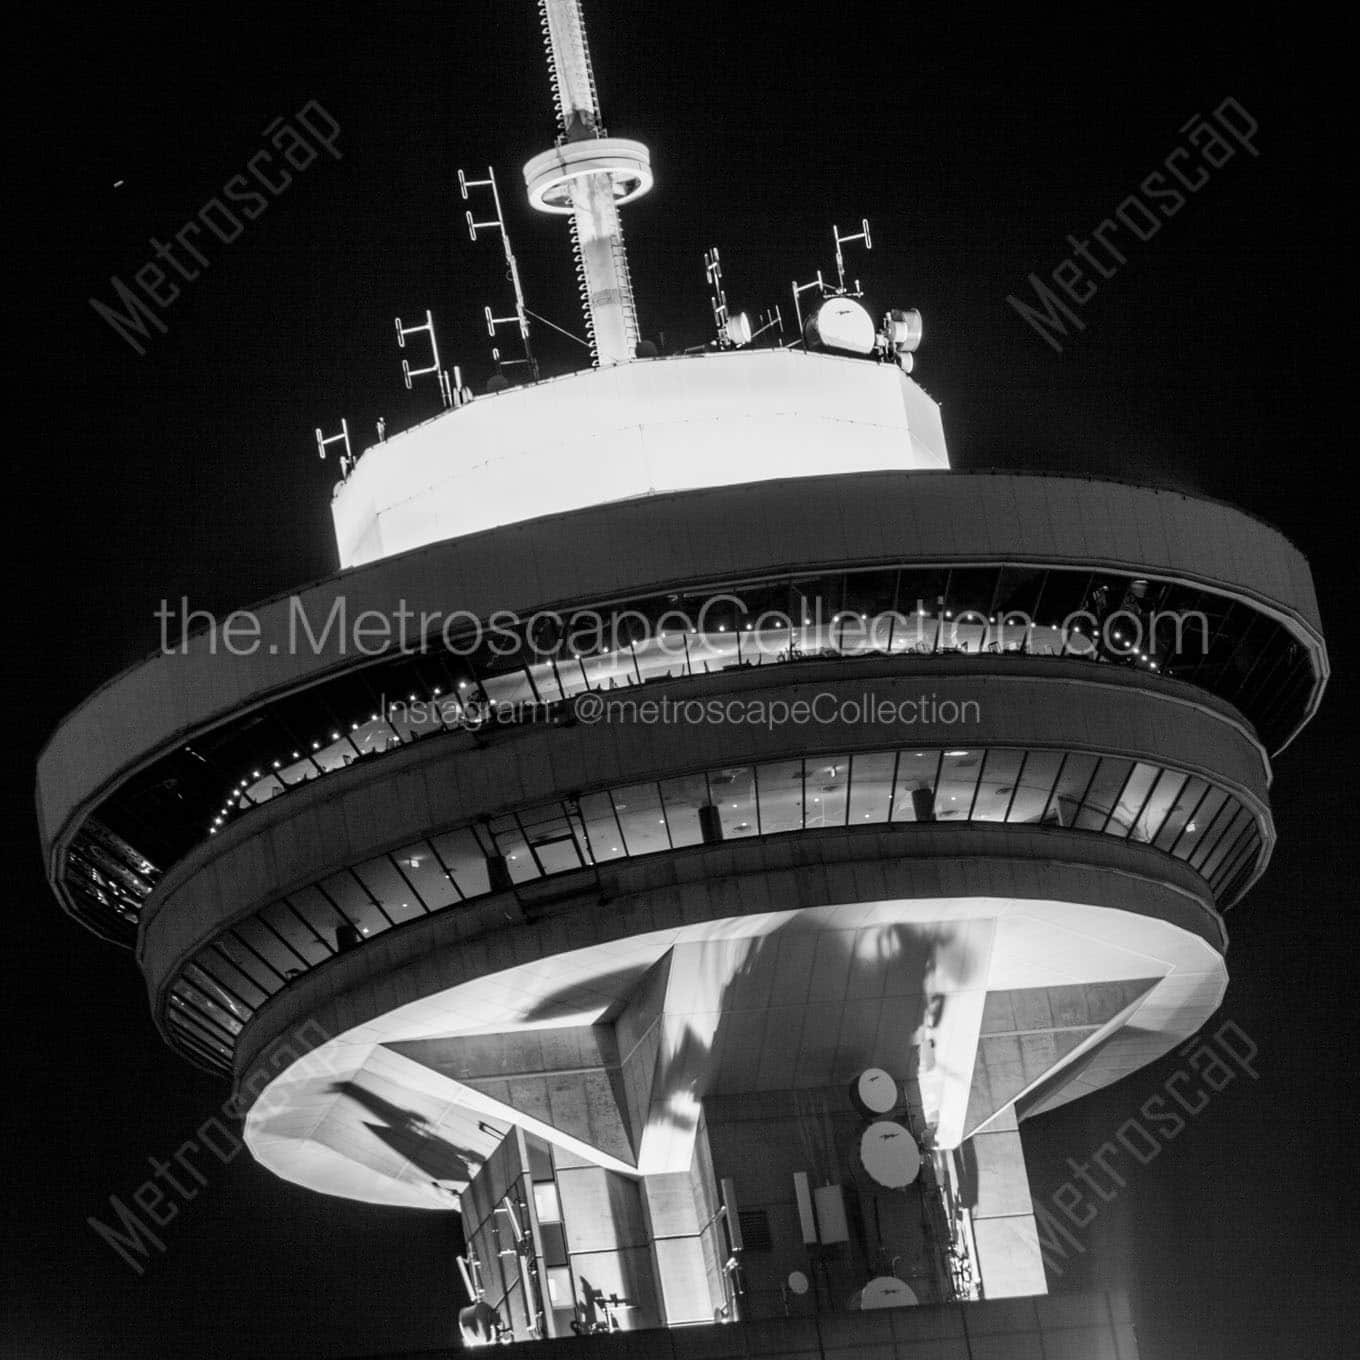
(974, 143)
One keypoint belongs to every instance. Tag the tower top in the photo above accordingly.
(588, 175)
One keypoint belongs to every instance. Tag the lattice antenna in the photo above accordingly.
(408, 374)
(861, 235)
(323, 442)
(800, 288)
(769, 318)
(733, 331)
(497, 224)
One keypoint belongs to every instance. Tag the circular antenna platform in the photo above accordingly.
(797, 1282)
(889, 1154)
(549, 175)
(874, 1091)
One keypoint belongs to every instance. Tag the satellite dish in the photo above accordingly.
(889, 1154)
(905, 330)
(887, 1291)
(797, 1282)
(738, 330)
(841, 324)
(480, 1324)
(875, 1092)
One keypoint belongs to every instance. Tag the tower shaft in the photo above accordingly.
(588, 176)
(602, 268)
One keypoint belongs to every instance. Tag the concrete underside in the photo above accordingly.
(608, 1052)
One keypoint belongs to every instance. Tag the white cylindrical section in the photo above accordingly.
(607, 291)
(570, 57)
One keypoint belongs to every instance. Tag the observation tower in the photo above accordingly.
(740, 823)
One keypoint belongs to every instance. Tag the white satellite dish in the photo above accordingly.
(905, 330)
(842, 324)
(889, 1154)
(875, 1091)
(797, 1282)
(738, 330)
(887, 1291)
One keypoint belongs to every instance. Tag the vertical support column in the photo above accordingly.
(606, 288)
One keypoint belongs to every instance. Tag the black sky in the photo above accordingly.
(1217, 360)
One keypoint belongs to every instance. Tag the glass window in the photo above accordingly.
(780, 790)
(428, 878)
(319, 912)
(641, 818)
(968, 609)
(395, 895)
(262, 942)
(734, 792)
(1073, 780)
(507, 836)
(602, 829)
(554, 838)
(243, 964)
(214, 999)
(546, 1203)
(354, 903)
(1187, 801)
(209, 1047)
(996, 786)
(461, 852)
(1206, 845)
(917, 775)
(1131, 801)
(217, 961)
(1034, 786)
(1232, 874)
(682, 798)
(559, 1287)
(1105, 787)
(1201, 823)
(1176, 812)
(871, 787)
(302, 938)
(958, 782)
(215, 1009)
(1227, 843)
(1017, 598)
(824, 793)
(1159, 803)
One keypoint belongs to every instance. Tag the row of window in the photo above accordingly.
(1178, 813)
(160, 814)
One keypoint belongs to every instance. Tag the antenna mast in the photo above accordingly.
(589, 175)
(521, 316)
